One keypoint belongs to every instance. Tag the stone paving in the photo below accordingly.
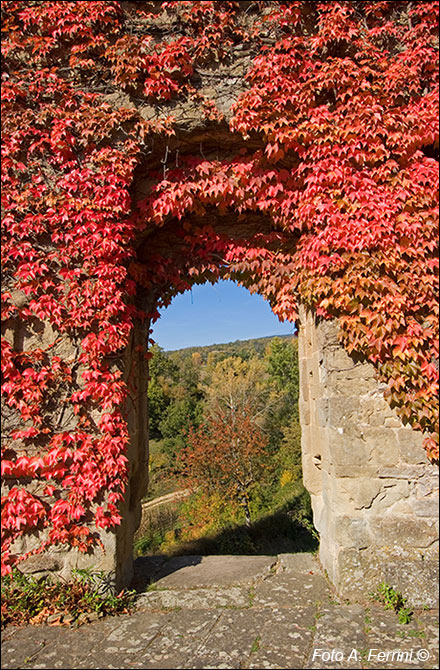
(232, 612)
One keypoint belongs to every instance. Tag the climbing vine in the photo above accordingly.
(336, 138)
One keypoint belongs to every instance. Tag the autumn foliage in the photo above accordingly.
(336, 140)
(227, 458)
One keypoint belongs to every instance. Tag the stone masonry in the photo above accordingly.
(374, 494)
(116, 560)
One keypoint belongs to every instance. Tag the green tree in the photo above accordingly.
(163, 374)
(238, 388)
(282, 425)
(184, 408)
(282, 365)
(180, 415)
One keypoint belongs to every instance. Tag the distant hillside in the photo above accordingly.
(243, 348)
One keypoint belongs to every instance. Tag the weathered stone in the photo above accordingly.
(393, 492)
(352, 532)
(340, 632)
(284, 639)
(393, 471)
(383, 442)
(45, 563)
(304, 412)
(410, 571)
(299, 563)
(410, 446)
(427, 507)
(212, 571)
(392, 422)
(350, 387)
(348, 447)
(343, 411)
(312, 473)
(372, 488)
(416, 532)
(353, 470)
(360, 492)
(427, 483)
(199, 599)
(277, 637)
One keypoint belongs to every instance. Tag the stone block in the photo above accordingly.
(352, 532)
(383, 444)
(410, 446)
(189, 572)
(391, 493)
(377, 420)
(343, 411)
(328, 553)
(19, 298)
(359, 493)
(315, 391)
(427, 483)
(8, 335)
(374, 404)
(414, 574)
(304, 393)
(337, 359)
(301, 344)
(347, 446)
(403, 531)
(312, 475)
(392, 422)
(327, 334)
(409, 472)
(42, 563)
(321, 513)
(304, 412)
(402, 507)
(428, 507)
(314, 363)
(342, 386)
(322, 411)
(304, 369)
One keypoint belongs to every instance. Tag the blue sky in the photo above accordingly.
(216, 314)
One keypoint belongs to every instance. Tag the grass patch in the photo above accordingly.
(155, 525)
(285, 529)
(256, 644)
(393, 600)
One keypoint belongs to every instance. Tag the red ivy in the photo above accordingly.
(343, 99)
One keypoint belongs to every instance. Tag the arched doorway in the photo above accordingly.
(81, 162)
(373, 494)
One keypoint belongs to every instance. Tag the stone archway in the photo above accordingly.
(374, 496)
(373, 492)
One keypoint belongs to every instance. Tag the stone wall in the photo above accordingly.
(116, 560)
(374, 494)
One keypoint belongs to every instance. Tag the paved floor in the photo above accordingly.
(232, 612)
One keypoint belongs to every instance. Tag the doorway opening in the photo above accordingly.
(225, 473)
